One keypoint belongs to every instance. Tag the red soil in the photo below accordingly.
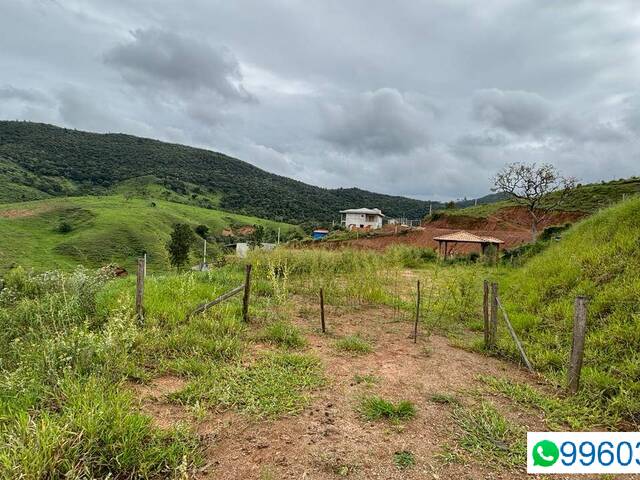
(511, 225)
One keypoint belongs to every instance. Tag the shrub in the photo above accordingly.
(64, 227)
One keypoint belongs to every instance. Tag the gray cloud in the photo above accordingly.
(161, 59)
(28, 95)
(516, 111)
(417, 98)
(380, 122)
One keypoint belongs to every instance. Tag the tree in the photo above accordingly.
(182, 237)
(202, 230)
(533, 186)
(258, 234)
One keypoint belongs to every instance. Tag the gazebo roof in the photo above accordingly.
(466, 237)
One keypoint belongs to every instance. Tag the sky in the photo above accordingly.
(426, 99)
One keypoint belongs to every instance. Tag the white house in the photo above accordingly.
(361, 218)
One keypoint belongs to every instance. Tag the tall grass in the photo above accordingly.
(62, 413)
(600, 258)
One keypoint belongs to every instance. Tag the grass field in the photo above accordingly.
(105, 229)
(74, 359)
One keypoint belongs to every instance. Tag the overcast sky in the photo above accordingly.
(419, 98)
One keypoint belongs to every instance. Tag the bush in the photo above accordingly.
(64, 227)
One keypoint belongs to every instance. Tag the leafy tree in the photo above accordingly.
(182, 237)
(533, 186)
(451, 205)
(258, 234)
(202, 230)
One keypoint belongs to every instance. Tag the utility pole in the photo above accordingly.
(204, 253)
(429, 208)
(278, 235)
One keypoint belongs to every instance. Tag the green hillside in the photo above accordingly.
(40, 161)
(104, 229)
(584, 198)
(599, 257)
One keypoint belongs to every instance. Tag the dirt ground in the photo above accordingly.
(510, 225)
(329, 439)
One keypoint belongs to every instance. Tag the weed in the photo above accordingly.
(276, 384)
(376, 408)
(283, 334)
(354, 344)
(368, 379)
(404, 459)
(487, 435)
(444, 398)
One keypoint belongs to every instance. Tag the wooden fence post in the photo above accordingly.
(415, 326)
(140, 289)
(485, 311)
(493, 319)
(247, 291)
(322, 311)
(577, 347)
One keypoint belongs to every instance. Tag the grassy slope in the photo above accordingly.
(105, 229)
(600, 258)
(585, 198)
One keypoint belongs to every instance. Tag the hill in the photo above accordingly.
(104, 229)
(40, 161)
(598, 257)
(584, 199)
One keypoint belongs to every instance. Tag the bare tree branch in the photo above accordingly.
(532, 186)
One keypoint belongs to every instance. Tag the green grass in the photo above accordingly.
(599, 257)
(404, 459)
(486, 435)
(107, 229)
(283, 334)
(376, 408)
(585, 198)
(367, 379)
(354, 344)
(444, 399)
(275, 384)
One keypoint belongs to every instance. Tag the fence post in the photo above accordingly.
(322, 311)
(415, 326)
(577, 347)
(247, 290)
(493, 319)
(140, 289)
(485, 311)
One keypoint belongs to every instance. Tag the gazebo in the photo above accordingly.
(465, 237)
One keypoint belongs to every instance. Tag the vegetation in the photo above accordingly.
(106, 230)
(282, 333)
(42, 161)
(353, 344)
(486, 434)
(179, 245)
(532, 186)
(404, 459)
(376, 408)
(600, 258)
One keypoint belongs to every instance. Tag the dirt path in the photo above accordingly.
(330, 439)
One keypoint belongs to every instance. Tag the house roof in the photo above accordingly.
(466, 237)
(367, 211)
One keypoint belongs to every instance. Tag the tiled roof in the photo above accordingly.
(467, 237)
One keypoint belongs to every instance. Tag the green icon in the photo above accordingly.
(545, 453)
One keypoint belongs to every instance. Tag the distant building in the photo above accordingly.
(319, 233)
(370, 218)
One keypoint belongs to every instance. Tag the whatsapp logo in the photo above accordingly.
(545, 453)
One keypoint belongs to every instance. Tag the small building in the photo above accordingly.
(465, 237)
(319, 233)
(369, 218)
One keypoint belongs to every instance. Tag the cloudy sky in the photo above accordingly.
(419, 98)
